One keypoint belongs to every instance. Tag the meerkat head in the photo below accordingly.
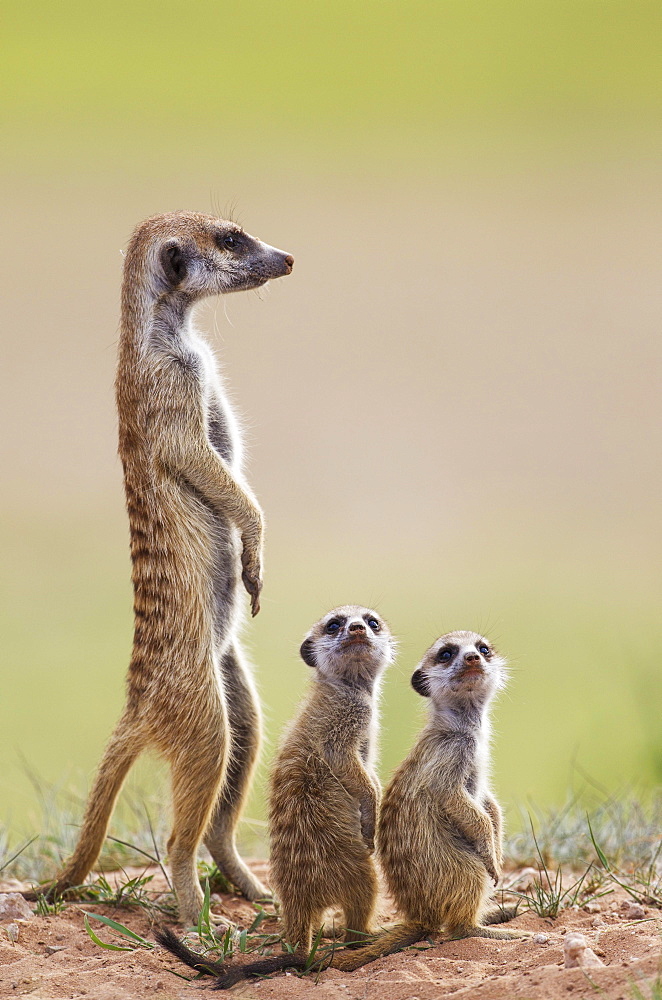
(198, 255)
(460, 668)
(350, 644)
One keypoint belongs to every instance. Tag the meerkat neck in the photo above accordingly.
(359, 688)
(144, 305)
(172, 314)
(464, 717)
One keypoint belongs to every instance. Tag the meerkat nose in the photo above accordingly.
(356, 627)
(289, 262)
(471, 658)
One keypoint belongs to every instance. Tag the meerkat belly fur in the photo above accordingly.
(324, 793)
(196, 534)
(439, 837)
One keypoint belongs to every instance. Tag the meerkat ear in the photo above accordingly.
(307, 652)
(419, 682)
(173, 263)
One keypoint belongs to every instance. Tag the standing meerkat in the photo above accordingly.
(196, 534)
(324, 793)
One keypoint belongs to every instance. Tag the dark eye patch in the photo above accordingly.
(334, 626)
(232, 241)
(447, 653)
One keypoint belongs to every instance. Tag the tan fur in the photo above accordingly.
(439, 835)
(324, 791)
(196, 533)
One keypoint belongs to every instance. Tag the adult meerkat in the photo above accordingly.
(196, 534)
(324, 793)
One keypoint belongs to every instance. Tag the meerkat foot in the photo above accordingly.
(242, 878)
(500, 914)
(334, 924)
(252, 889)
(494, 933)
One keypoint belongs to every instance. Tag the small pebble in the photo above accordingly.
(541, 938)
(12, 932)
(597, 922)
(578, 955)
(592, 907)
(51, 949)
(635, 911)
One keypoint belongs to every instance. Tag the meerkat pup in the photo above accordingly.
(196, 535)
(324, 793)
(439, 839)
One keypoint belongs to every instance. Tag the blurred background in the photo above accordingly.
(451, 407)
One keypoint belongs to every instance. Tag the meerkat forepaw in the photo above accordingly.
(253, 585)
(491, 869)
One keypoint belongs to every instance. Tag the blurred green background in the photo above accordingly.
(451, 407)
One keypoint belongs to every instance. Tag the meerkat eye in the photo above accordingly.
(485, 650)
(332, 626)
(374, 624)
(444, 655)
(229, 241)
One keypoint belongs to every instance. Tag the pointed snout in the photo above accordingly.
(471, 658)
(280, 263)
(356, 627)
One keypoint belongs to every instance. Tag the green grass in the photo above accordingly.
(627, 830)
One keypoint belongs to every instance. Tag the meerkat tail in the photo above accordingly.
(387, 943)
(168, 940)
(395, 939)
(347, 960)
(231, 975)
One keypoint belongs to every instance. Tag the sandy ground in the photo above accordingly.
(53, 957)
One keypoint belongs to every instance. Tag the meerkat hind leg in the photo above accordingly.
(359, 906)
(195, 780)
(245, 728)
(125, 745)
(300, 925)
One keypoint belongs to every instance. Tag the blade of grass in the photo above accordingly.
(103, 944)
(260, 916)
(121, 929)
(133, 847)
(156, 849)
(6, 863)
